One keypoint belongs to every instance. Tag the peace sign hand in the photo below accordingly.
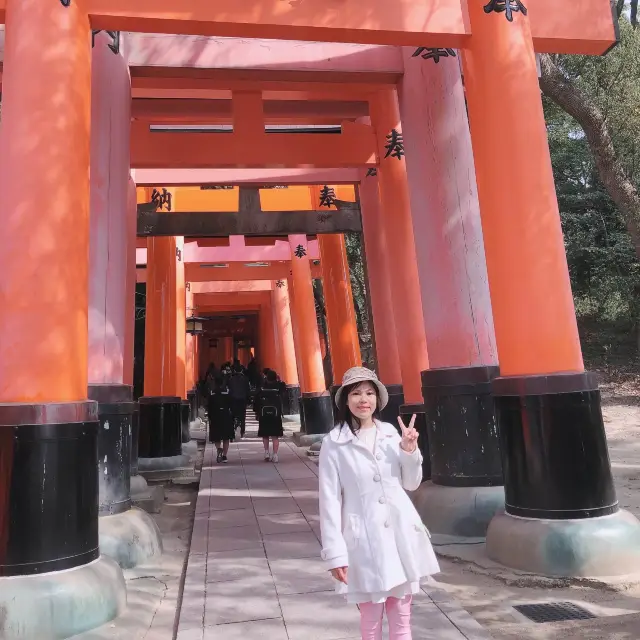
(409, 440)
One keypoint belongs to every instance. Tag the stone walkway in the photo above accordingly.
(254, 568)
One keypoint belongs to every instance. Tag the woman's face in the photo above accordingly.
(362, 401)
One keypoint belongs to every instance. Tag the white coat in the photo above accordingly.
(368, 522)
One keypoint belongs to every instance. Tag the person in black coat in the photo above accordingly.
(221, 430)
(269, 410)
(239, 391)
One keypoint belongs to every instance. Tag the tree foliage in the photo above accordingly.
(592, 108)
(605, 273)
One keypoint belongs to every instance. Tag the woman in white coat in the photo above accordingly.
(374, 542)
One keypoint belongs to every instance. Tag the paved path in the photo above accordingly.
(254, 569)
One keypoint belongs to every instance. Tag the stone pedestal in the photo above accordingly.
(53, 581)
(128, 535)
(561, 514)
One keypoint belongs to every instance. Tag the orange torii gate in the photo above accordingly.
(438, 256)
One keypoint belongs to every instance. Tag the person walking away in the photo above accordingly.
(373, 540)
(252, 372)
(269, 406)
(221, 431)
(239, 390)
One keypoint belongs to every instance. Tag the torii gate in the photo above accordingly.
(562, 517)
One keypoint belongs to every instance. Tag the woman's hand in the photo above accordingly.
(409, 440)
(340, 574)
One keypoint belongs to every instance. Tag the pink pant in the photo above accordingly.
(398, 616)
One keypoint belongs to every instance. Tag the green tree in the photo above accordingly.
(593, 116)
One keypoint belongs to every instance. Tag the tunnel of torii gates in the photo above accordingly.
(252, 295)
(474, 324)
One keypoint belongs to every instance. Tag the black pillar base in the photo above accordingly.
(396, 399)
(333, 390)
(160, 427)
(193, 404)
(115, 411)
(554, 448)
(406, 412)
(317, 413)
(461, 426)
(291, 404)
(135, 435)
(48, 487)
(184, 421)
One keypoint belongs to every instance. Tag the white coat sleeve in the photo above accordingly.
(411, 469)
(334, 548)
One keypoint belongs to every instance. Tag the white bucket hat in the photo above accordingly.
(362, 374)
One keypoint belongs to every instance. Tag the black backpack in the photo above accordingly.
(270, 403)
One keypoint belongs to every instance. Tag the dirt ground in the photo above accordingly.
(490, 597)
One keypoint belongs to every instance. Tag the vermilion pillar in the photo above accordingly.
(189, 348)
(268, 350)
(227, 348)
(108, 304)
(160, 374)
(190, 359)
(379, 283)
(284, 330)
(316, 402)
(294, 326)
(401, 250)
(48, 429)
(130, 304)
(110, 140)
(556, 467)
(462, 442)
(181, 323)
(344, 342)
(164, 379)
(204, 351)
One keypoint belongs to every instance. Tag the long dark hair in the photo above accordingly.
(344, 415)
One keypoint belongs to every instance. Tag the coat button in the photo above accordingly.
(376, 478)
(382, 500)
(387, 524)
(379, 456)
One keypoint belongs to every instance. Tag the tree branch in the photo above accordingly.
(556, 86)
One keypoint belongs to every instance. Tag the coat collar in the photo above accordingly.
(341, 434)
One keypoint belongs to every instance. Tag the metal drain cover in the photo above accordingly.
(554, 612)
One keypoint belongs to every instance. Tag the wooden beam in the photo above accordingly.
(195, 272)
(191, 111)
(164, 50)
(439, 23)
(354, 147)
(229, 287)
(269, 223)
(199, 177)
(285, 85)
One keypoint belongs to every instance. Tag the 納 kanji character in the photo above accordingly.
(162, 200)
